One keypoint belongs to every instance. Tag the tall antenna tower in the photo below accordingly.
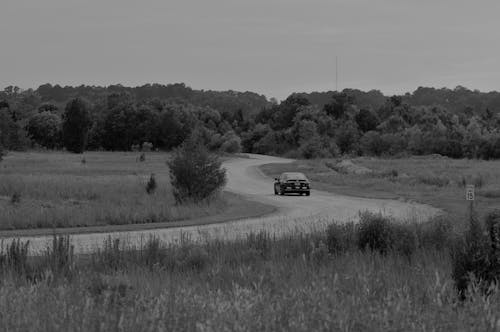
(336, 73)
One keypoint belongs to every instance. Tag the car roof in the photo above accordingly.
(294, 175)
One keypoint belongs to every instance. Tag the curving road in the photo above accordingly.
(294, 213)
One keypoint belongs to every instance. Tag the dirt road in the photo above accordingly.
(294, 213)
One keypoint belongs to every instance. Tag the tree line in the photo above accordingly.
(452, 122)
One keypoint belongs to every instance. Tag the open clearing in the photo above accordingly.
(294, 212)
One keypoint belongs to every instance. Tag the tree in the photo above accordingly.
(45, 129)
(367, 120)
(48, 108)
(76, 124)
(196, 174)
(347, 137)
(12, 137)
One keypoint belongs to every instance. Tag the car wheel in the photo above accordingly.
(282, 192)
(308, 193)
(275, 191)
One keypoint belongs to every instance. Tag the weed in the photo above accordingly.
(340, 237)
(60, 256)
(434, 180)
(151, 185)
(15, 256)
(476, 258)
(15, 198)
(375, 232)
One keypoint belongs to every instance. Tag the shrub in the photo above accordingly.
(231, 145)
(151, 185)
(15, 198)
(147, 146)
(436, 234)
(59, 256)
(476, 258)
(372, 144)
(404, 239)
(340, 237)
(195, 173)
(15, 256)
(375, 232)
(319, 252)
(193, 258)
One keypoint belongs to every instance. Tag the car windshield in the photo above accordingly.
(294, 176)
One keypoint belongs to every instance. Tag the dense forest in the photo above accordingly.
(452, 122)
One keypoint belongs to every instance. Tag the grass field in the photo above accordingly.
(50, 189)
(435, 181)
(259, 283)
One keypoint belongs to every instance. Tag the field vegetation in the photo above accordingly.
(434, 180)
(52, 189)
(349, 277)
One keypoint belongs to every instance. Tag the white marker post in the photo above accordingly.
(470, 196)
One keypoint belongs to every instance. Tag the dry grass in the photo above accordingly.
(58, 190)
(435, 181)
(260, 283)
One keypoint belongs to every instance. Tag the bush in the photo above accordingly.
(15, 256)
(340, 237)
(404, 239)
(375, 232)
(151, 185)
(147, 146)
(15, 198)
(476, 258)
(372, 144)
(60, 256)
(142, 157)
(231, 144)
(195, 173)
(436, 234)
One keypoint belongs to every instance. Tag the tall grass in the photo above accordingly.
(56, 190)
(320, 281)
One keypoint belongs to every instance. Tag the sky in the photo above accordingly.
(272, 47)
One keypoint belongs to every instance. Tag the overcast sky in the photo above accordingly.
(273, 47)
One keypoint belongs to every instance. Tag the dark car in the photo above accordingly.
(292, 182)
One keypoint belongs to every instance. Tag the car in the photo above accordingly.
(292, 182)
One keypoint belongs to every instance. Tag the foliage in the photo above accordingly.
(196, 174)
(44, 128)
(476, 259)
(151, 185)
(456, 122)
(76, 124)
(375, 233)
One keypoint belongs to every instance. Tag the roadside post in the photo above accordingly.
(470, 196)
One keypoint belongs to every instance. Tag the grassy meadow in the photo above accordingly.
(302, 282)
(435, 181)
(52, 189)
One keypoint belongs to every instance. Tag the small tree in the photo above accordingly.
(76, 124)
(196, 174)
(45, 129)
(151, 185)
